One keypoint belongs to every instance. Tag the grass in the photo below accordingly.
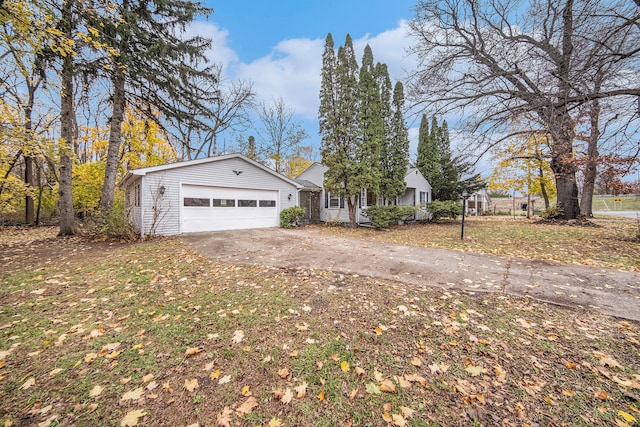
(612, 244)
(627, 202)
(147, 319)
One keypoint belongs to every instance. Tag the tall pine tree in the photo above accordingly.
(396, 150)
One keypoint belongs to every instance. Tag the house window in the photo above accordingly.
(267, 203)
(135, 195)
(196, 202)
(223, 203)
(247, 203)
(423, 198)
(334, 202)
(372, 199)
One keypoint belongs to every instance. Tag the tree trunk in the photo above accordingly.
(65, 202)
(28, 160)
(352, 204)
(543, 189)
(564, 167)
(115, 131)
(591, 167)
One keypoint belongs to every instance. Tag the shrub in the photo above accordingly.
(444, 209)
(291, 217)
(383, 216)
(552, 213)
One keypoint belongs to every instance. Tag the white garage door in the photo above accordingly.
(207, 208)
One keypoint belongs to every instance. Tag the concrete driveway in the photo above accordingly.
(611, 292)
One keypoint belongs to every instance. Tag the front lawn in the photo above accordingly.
(116, 334)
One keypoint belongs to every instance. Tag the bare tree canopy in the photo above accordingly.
(495, 61)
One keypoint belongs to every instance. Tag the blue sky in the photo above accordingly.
(256, 27)
(278, 46)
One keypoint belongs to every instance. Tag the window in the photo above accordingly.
(223, 203)
(334, 202)
(136, 195)
(247, 203)
(423, 198)
(267, 203)
(196, 202)
(372, 199)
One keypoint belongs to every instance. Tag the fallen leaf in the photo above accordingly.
(287, 397)
(247, 406)
(387, 417)
(627, 416)
(406, 412)
(416, 361)
(192, 351)
(215, 374)
(152, 386)
(387, 386)
(284, 373)
(224, 380)
(133, 394)
(224, 418)
(55, 372)
(246, 391)
(147, 378)
(96, 391)
(275, 422)
(301, 390)
(191, 385)
(321, 395)
(398, 420)
(131, 419)
(344, 365)
(28, 383)
(238, 336)
(373, 388)
(475, 370)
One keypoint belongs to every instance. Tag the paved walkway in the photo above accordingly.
(611, 292)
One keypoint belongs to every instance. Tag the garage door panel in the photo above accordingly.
(220, 208)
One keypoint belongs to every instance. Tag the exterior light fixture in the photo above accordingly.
(161, 190)
(290, 195)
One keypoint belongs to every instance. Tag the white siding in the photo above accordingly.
(162, 212)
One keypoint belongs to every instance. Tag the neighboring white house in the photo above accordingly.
(331, 208)
(478, 202)
(226, 192)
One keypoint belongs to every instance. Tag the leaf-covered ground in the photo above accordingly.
(609, 243)
(99, 333)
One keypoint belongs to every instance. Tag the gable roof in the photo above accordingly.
(151, 169)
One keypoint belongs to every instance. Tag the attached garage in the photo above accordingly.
(229, 192)
(207, 208)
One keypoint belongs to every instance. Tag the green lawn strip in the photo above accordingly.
(611, 245)
(134, 331)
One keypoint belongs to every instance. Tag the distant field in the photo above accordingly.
(629, 202)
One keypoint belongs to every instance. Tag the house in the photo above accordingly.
(321, 205)
(226, 192)
(478, 202)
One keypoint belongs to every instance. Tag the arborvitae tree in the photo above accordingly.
(428, 161)
(450, 177)
(340, 126)
(371, 127)
(396, 150)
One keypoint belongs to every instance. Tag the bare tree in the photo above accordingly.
(493, 61)
(280, 134)
(228, 111)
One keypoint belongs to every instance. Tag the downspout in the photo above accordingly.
(141, 195)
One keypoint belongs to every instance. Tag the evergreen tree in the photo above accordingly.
(151, 66)
(440, 167)
(371, 127)
(396, 151)
(428, 161)
(339, 127)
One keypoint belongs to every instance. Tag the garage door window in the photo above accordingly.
(197, 202)
(223, 203)
(247, 203)
(267, 203)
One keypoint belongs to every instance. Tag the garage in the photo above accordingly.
(227, 192)
(206, 208)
